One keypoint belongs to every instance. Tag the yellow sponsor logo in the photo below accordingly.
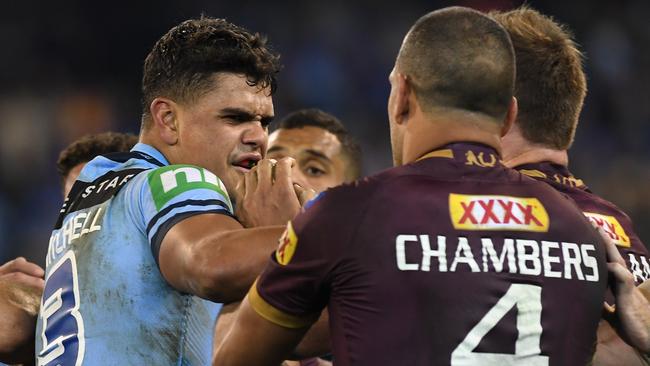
(488, 212)
(612, 227)
(288, 242)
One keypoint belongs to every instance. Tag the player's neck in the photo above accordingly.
(426, 135)
(150, 139)
(517, 151)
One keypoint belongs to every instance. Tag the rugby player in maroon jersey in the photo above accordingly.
(448, 259)
(550, 88)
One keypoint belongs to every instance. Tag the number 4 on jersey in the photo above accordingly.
(528, 299)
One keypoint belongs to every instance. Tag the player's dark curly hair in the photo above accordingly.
(182, 62)
(88, 147)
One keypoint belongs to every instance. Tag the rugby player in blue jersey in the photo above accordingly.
(21, 282)
(147, 243)
(551, 87)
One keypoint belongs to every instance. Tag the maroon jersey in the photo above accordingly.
(451, 260)
(602, 212)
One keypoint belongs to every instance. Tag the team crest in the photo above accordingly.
(288, 243)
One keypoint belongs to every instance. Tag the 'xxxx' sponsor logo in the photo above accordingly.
(470, 212)
(611, 226)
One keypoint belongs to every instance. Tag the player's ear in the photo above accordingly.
(402, 98)
(164, 115)
(511, 116)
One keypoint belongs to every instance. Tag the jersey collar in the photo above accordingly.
(151, 152)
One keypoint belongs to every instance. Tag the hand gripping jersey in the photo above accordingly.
(105, 301)
(452, 260)
(601, 212)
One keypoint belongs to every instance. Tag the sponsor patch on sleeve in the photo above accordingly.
(288, 243)
(612, 227)
(170, 181)
(490, 212)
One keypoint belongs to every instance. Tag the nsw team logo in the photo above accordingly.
(612, 227)
(487, 212)
(288, 243)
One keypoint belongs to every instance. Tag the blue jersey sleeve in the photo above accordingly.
(170, 194)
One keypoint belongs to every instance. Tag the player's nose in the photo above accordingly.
(255, 135)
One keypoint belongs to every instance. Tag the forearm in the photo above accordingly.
(317, 340)
(632, 321)
(254, 341)
(18, 309)
(224, 322)
(226, 265)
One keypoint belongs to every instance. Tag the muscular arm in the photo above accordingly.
(18, 309)
(212, 256)
(272, 343)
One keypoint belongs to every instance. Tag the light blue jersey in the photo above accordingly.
(105, 300)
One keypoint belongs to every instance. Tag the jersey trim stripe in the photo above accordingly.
(275, 316)
(169, 208)
(157, 238)
(445, 153)
(123, 157)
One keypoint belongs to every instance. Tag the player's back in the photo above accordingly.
(105, 301)
(603, 213)
(457, 260)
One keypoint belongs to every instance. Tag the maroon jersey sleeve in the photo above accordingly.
(294, 287)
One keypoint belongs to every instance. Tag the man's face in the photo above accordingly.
(320, 163)
(225, 130)
(396, 132)
(69, 179)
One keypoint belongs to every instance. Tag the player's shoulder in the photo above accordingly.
(174, 182)
(589, 201)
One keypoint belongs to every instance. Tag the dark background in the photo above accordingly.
(68, 68)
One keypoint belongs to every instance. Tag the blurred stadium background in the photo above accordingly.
(69, 68)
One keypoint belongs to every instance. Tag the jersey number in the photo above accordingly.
(63, 330)
(528, 299)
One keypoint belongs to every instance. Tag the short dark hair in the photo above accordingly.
(459, 58)
(88, 147)
(551, 84)
(317, 118)
(182, 63)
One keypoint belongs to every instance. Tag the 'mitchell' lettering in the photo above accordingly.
(528, 257)
(76, 226)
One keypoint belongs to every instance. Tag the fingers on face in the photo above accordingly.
(265, 172)
(250, 181)
(283, 172)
